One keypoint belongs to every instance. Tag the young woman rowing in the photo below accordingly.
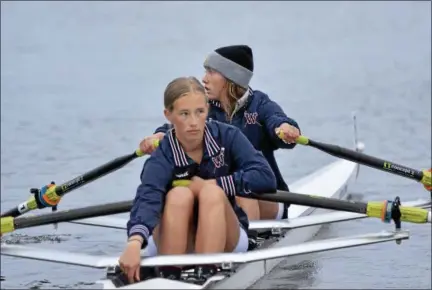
(228, 73)
(202, 216)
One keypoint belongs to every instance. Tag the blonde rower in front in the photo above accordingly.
(202, 217)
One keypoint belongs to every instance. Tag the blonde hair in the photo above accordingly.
(179, 87)
(234, 93)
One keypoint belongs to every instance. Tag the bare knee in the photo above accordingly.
(250, 206)
(211, 194)
(180, 197)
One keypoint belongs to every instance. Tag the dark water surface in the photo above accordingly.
(82, 83)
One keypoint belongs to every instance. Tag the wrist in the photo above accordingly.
(159, 135)
(134, 244)
(135, 239)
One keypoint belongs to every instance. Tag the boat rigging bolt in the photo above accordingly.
(396, 216)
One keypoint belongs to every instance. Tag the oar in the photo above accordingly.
(10, 224)
(387, 210)
(422, 176)
(55, 192)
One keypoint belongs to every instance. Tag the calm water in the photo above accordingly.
(82, 83)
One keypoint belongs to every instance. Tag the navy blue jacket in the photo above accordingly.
(257, 117)
(228, 157)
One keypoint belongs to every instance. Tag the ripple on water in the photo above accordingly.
(16, 238)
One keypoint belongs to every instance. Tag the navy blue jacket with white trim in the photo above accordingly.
(228, 157)
(257, 117)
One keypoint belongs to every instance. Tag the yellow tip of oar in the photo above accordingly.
(139, 153)
(300, 140)
(7, 225)
(426, 180)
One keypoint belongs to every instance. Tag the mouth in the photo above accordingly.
(194, 132)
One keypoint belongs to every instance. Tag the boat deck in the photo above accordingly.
(265, 239)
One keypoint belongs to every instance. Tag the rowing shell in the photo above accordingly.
(302, 224)
(330, 181)
(288, 239)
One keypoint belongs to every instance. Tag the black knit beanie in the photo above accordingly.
(233, 62)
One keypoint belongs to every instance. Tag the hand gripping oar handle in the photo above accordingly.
(422, 176)
(39, 200)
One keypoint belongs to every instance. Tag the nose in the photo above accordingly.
(193, 120)
(204, 78)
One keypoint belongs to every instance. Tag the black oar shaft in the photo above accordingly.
(73, 214)
(125, 206)
(96, 173)
(313, 201)
(371, 209)
(367, 160)
(13, 212)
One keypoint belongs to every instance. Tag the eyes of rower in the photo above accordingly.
(185, 114)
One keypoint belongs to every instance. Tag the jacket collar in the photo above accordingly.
(180, 159)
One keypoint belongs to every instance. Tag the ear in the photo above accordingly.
(168, 115)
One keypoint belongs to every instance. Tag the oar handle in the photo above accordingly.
(384, 165)
(52, 195)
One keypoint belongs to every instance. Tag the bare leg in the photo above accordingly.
(250, 207)
(268, 210)
(191, 237)
(218, 227)
(175, 226)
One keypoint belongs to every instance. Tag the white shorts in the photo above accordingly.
(280, 211)
(242, 244)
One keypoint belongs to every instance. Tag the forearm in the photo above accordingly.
(242, 183)
(144, 216)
